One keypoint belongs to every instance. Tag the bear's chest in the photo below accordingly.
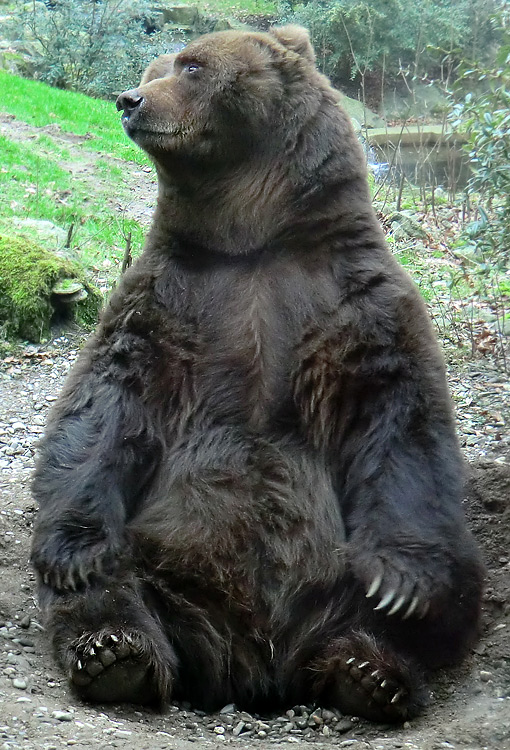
(251, 326)
(247, 353)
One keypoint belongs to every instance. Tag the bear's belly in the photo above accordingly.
(247, 518)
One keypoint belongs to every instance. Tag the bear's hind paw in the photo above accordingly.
(116, 666)
(363, 679)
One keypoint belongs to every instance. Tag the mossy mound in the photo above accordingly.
(28, 275)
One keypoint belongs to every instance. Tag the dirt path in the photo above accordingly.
(470, 708)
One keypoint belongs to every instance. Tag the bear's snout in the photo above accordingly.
(129, 101)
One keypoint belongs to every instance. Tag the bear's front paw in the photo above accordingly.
(400, 583)
(398, 593)
(68, 562)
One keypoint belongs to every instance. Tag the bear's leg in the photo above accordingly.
(109, 643)
(363, 676)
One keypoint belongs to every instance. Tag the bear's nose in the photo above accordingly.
(129, 101)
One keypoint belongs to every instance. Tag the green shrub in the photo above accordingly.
(357, 37)
(94, 46)
(485, 119)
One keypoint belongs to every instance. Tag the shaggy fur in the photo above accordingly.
(250, 486)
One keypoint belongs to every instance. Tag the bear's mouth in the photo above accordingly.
(153, 137)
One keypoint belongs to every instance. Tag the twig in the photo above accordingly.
(69, 236)
(127, 260)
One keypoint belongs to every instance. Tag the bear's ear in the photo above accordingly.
(295, 38)
(161, 67)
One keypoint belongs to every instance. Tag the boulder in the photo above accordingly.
(406, 226)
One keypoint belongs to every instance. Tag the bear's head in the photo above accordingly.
(246, 135)
(224, 96)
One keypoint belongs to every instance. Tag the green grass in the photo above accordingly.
(33, 185)
(35, 181)
(244, 8)
(38, 104)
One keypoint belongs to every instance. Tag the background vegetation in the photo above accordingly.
(414, 38)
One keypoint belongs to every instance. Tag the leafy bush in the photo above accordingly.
(485, 119)
(94, 46)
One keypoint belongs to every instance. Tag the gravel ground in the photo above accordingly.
(470, 706)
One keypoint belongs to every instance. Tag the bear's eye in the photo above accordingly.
(191, 68)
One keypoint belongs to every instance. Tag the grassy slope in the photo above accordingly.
(35, 179)
(243, 7)
(39, 104)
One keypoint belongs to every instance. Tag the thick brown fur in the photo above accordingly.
(250, 488)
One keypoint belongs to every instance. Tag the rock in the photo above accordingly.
(44, 232)
(226, 24)
(343, 725)
(178, 16)
(406, 226)
(62, 715)
(236, 731)
(361, 115)
(28, 275)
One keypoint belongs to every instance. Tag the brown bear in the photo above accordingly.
(250, 488)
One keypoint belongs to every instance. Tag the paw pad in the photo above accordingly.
(384, 691)
(94, 654)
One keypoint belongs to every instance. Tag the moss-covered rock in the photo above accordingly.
(361, 114)
(28, 276)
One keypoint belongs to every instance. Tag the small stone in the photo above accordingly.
(62, 715)
(19, 683)
(219, 730)
(25, 623)
(485, 676)
(343, 725)
(328, 715)
(315, 720)
(228, 709)
(238, 728)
